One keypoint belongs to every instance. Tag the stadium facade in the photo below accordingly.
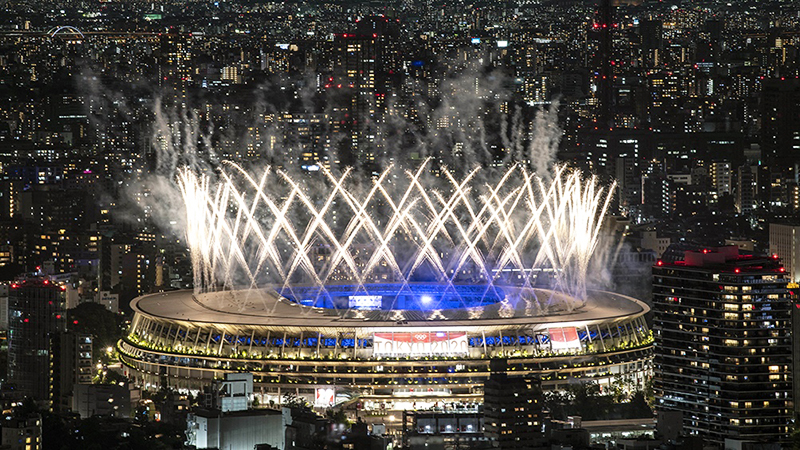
(429, 344)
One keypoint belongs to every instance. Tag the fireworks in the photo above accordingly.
(250, 229)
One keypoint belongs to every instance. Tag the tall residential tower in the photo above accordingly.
(723, 344)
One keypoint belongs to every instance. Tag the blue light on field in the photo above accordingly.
(394, 296)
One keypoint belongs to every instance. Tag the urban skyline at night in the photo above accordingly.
(332, 225)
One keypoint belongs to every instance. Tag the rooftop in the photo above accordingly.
(264, 307)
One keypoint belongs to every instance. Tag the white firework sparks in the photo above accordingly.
(404, 227)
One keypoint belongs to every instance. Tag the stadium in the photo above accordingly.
(385, 356)
(400, 310)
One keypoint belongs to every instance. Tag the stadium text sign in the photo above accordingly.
(365, 301)
(421, 343)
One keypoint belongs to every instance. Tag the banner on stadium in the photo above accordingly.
(420, 343)
(324, 397)
(564, 338)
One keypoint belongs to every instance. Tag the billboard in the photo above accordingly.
(420, 343)
(564, 338)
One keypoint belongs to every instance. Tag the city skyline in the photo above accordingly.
(378, 174)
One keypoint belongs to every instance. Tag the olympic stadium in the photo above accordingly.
(405, 308)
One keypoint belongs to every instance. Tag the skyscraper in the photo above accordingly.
(35, 315)
(722, 344)
(780, 109)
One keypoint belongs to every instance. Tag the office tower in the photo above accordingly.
(513, 409)
(36, 314)
(780, 119)
(652, 41)
(604, 26)
(723, 345)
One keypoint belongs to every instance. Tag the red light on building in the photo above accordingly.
(26, 320)
(775, 256)
(58, 316)
(736, 270)
(14, 286)
(46, 282)
(659, 263)
(74, 322)
(782, 269)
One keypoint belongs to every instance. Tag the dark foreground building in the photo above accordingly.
(723, 346)
(35, 316)
(513, 410)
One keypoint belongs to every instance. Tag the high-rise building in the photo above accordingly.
(512, 408)
(747, 189)
(355, 79)
(784, 241)
(722, 344)
(780, 121)
(36, 315)
(604, 26)
(71, 365)
(652, 41)
(720, 173)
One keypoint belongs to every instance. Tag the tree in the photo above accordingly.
(94, 319)
(638, 407)
(587, 401)
(337, 416)
(291, 400)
